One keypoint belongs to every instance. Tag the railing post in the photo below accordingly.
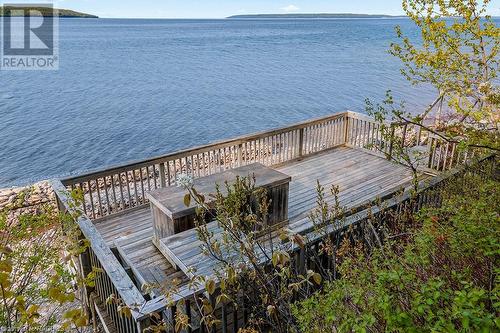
(431, 152)
(391, 142)
(301, 141)
(162, 175)
(346, 128)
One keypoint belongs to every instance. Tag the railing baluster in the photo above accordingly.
(89, 189)
(107, 195)
(391, 143)
(363, 135)
(335, 132)
(452, 156)
(154, 175)
(235, 318)
(301, 142)
(346, 124)
(356, 132)
(312, 139)
(369, 136)
(142, 185)
(99, 201)
(128, 189)
(122, 199)
(177, 164)
(148, 179)
(289, 145)
(136, 191)
(445, 157)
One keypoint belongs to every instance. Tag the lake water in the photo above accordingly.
(131, 89)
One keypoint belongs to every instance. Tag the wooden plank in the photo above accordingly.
(149, 266)
(350, 184)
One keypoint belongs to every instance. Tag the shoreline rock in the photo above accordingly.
(26, 199)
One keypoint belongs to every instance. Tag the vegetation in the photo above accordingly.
(434, 271)
(437, 270)
(45, 11)
(38, 279)
(458, 56)
(439, 273)
(255, 269)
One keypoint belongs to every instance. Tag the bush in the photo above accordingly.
(38, 279)
(442, 276)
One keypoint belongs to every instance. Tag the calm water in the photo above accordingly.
(131, 89)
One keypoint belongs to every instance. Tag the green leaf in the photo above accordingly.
(6, 266)
(187, 200)
(317, 278)
(210, 286)
(275, 259)
(125, 311)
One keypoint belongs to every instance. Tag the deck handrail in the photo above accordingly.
(118, 188)
(188, 151)
(122, 285)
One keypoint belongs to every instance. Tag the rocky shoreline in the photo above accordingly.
(26, 200)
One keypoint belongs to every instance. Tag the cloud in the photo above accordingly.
(290, 8)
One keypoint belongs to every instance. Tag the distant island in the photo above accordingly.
(339, 15)
(46, 11)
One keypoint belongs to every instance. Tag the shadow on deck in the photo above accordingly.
(361, 177)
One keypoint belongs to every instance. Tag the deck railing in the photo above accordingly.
(445, 155)
(119, 188)
(113, 287)
(436, 153)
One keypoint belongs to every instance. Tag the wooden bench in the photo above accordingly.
(184, 250)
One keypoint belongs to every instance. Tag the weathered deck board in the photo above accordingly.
(360, 176)
(150, 267)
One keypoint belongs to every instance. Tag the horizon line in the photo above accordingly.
(232, 17)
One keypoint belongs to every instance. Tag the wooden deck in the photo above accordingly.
(336, 149)
(360, 175)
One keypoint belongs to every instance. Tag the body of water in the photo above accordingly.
(132, 89)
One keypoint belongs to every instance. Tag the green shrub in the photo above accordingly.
(442, 278)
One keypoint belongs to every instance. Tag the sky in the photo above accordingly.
(224, 8)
